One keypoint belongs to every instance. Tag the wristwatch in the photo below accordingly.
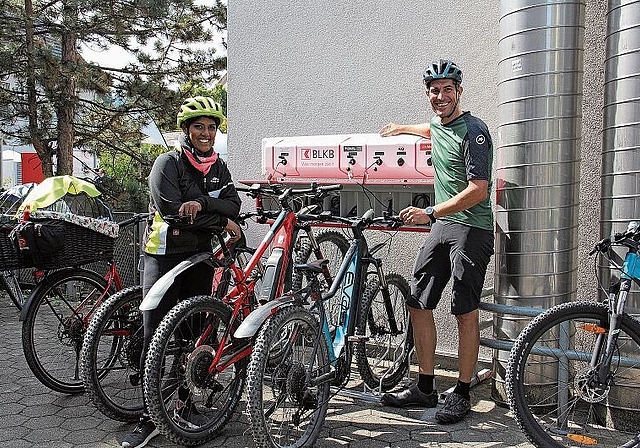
(429, 211)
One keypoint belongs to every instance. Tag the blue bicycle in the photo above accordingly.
(302, 349)
(573, 377)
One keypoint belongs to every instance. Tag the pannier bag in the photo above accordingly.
(63, 223)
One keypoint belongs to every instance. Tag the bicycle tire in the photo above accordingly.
(110, 356)
(9, 282)
(53, 328)
(277, 391)
(333, 245)
(176, 373)
(533, 387)
(382, 357)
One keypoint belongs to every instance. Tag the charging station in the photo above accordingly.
(383, 173)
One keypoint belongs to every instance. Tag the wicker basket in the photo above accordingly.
(8, 256)
(81, 246)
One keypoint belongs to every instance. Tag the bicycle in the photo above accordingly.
(573, 374)
(10, 200)
(194, 363)
(9, 282)
(112, 347)
(56, 315)
(297, 356)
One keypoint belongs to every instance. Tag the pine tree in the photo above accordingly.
(53, 99)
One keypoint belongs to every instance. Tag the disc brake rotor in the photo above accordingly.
(588, 388)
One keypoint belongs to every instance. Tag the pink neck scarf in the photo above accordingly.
(202, 164)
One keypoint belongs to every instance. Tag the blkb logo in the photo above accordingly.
(308, 153)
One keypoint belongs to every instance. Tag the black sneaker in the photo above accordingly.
(410, 397)
(454, 409)
(141, 435)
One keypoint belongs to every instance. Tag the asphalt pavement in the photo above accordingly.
(33, 416)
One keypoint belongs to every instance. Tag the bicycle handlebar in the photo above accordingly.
(628, 238)
(366, 220)
(134, 219)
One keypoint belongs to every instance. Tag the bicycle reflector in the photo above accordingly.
(593, 328)
(582, 439)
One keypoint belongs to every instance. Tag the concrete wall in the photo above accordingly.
(312, 67)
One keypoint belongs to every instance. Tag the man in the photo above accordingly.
(460, 243)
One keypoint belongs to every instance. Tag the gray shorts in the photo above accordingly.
(451, 250)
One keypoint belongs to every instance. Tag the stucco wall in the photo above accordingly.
(311, 67)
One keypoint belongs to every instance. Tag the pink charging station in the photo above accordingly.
(349, 159)
(376, 172)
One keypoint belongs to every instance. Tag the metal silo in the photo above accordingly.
(620, 199)
(537, 162)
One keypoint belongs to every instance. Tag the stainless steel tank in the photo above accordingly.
(620, 198)
(537, 162)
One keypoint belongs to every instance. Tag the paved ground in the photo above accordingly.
(33, 416)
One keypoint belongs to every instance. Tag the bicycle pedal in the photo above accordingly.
(356, 338)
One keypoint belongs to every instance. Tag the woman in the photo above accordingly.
(191, 182)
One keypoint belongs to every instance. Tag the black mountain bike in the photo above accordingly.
(573, 377)
(298, 355)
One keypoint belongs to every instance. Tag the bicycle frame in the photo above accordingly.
(280, 239)
(349, 281)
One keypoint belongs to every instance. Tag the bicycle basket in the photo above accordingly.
(51, 241)
(8, 255)
(10, 200)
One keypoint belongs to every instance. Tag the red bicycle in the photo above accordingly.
(56, 315)
(195, 369)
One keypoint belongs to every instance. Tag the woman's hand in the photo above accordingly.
(191, 209)
(233, 230)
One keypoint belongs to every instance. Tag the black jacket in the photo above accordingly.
(173, 181)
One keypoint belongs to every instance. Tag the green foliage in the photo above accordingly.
(126, 186)
(169, 43)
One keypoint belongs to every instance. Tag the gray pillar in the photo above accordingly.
(537, 161)
(621, 170)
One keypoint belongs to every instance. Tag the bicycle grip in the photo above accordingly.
(334, 187)
(176, 219)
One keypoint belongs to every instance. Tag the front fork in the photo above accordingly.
(383, 286)
(617, 296)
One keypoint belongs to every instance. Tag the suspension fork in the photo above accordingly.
(386, 298)
(617, 298)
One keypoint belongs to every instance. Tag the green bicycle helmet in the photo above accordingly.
(442, 69)
(202, 106)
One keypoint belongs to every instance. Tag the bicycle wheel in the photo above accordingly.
(110, 356)
(55, 324)
(9, 282)
(383, 355)
(555, 396)
(333, 246)
(285, 403)
(187, 403)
